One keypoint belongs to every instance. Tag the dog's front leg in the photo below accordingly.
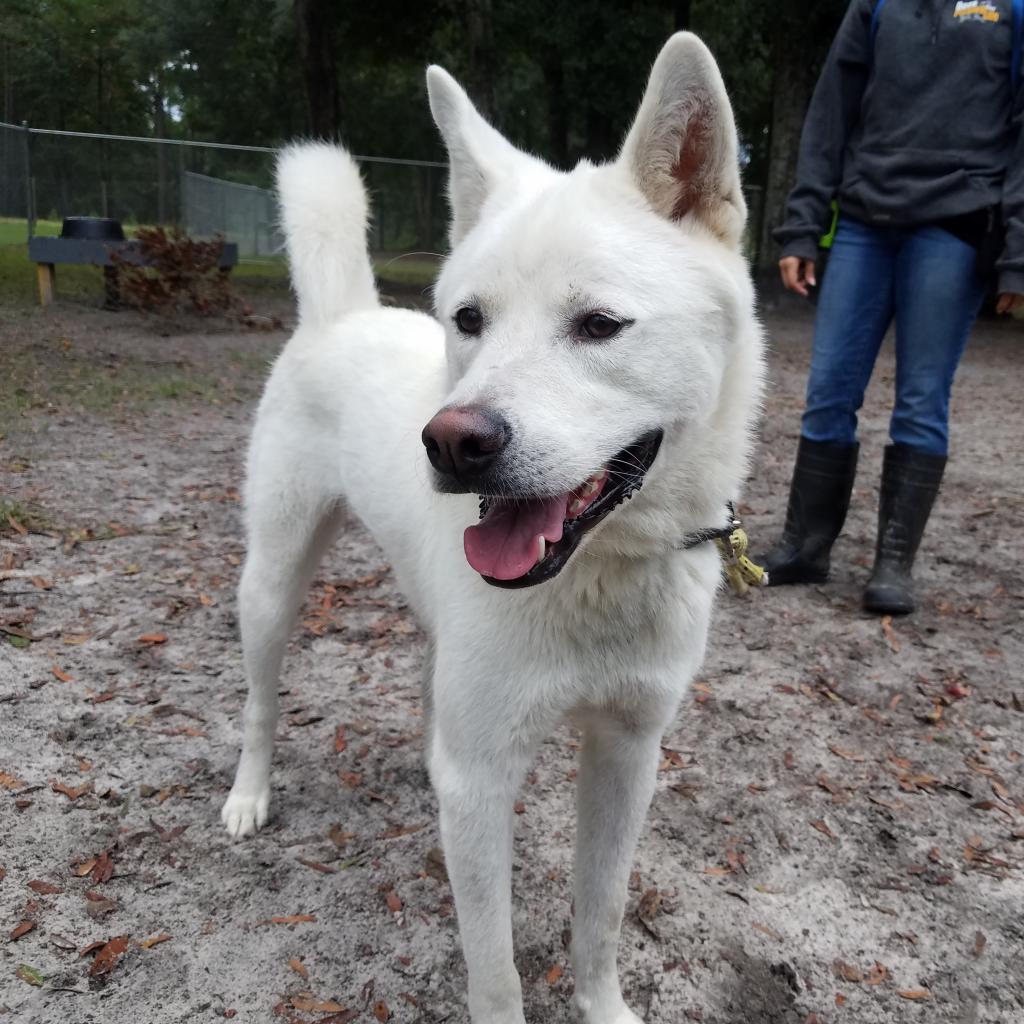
(476, 796)
(618, 765)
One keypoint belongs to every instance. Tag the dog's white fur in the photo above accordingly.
(614, 640)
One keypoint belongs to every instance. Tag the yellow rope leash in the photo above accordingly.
(741, 572)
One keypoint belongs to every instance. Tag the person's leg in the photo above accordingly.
(854, 311)
(938, 295)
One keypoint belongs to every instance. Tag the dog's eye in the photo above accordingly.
(469, 320)
(599, 326)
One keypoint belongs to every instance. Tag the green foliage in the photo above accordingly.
(561, 79)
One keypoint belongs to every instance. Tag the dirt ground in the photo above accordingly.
(838, 832)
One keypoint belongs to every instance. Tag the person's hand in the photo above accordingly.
(1009, 301)
(798, 274)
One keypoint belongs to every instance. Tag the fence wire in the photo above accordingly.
(210, 188)
(203, 188)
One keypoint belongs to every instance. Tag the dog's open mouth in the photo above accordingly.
(522, 541)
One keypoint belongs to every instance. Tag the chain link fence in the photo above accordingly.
(203, 188)
(210, 188)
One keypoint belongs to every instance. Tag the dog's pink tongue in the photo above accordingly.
(504, 544)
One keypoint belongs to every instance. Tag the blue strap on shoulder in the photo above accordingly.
(1018, 39)
(879, 4)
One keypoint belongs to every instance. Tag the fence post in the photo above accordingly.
(30, 216)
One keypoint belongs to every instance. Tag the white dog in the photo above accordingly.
(594, 332)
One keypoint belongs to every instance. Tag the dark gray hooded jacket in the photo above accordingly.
(917, 123)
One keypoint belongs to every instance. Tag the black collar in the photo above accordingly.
(698, 537)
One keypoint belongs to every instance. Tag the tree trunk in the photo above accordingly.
(319, 69)
(554, 91)
(800, 37)
(793, 83)
(159, 129)
(480, 32)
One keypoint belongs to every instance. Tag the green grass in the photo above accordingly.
(257, 276)
(30, 516)
(413, 270)
(14, 231)
(51, 376)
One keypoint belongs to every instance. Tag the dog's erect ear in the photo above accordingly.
(682, 150)
(481, 158)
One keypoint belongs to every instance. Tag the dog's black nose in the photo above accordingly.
(465, 442)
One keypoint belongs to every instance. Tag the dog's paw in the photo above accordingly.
(245, 813)
(622, 1015)
(612, 1011)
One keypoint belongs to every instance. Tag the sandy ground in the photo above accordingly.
(838, 832)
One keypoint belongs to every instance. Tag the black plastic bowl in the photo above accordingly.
(99, 229)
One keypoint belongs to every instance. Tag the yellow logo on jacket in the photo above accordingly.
(969, 10)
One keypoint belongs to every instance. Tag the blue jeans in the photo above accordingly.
(924, 278)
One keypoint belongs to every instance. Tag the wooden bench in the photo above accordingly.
(46, 253)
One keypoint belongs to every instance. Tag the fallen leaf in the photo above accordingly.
(44, 888)
(765, 930)
(890, 634)
(381, 1012)
(846, 755)
(914, 993)
(71, 792)
(307, 1005)
(298, 967)
(717, 871)
(324, 869)
(979, 943)
(152, 639)
(401, 830)
(824, 829)
(788, 760)
(60, 674)
(339, 739)
(85, 867)
(29, 974)
(848, 972)
(339, 836)
(290, 919)
(435, 866)
(103, 869)
(11, 781)
(155, 940)
(107, 958)
(99, 909)
(877, 974)
(22, 929)
(393, 901)
(554, 973)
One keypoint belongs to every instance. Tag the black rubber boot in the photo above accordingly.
(819, 497)
(910, 481)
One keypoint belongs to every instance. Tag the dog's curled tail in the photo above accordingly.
(324, 215)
